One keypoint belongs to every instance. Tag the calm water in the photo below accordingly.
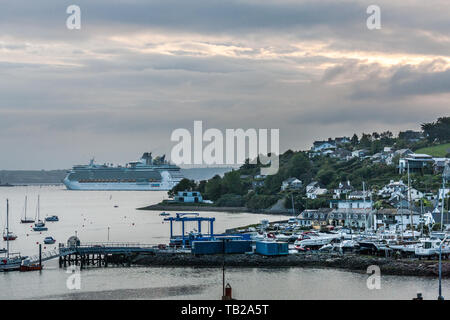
(89, 214)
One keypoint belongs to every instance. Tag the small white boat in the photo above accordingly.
(348, 245)
(327, 248)
(430, 247)
(313, 240)
(282, 237)
(39, 225)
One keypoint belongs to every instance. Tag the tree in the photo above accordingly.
(366, 140)
(230, 200)
(183, 185)
(376, 135)
(354, 140)
(299, 166)
(326, 175)
(213, 188)
(439, 130)
(231, 183)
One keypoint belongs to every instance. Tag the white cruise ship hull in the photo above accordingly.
(147, 174)
(119, 186)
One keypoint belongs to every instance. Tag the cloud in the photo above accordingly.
(139, 69)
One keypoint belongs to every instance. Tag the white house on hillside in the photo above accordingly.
(314, 189)
(291, 183)
(344, 188)
(399, 190)
(323, 145)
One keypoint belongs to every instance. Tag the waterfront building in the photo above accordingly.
(394, 219)
(315, 217)
(188, 197)
(351, 204)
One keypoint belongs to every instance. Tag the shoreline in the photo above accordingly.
(350, 262)
(162, 207)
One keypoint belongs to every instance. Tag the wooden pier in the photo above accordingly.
(102, 254)
(97, 254)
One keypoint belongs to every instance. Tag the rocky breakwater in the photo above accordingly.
(352, 262)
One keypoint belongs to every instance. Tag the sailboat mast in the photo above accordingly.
(409, 203)
(443, 201)
(7, 228)
(293, 208)
(422, 221)
(364, 205)
(37, 211)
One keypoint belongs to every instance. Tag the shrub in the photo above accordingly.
(230, 200)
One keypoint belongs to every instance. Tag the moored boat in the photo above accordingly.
(28, 266)
(39, 225)
(10, 236)
(25, 219)
(430, 248)
(8, 262)
(314, 240)
(49, 240)
(31, 267)
(52, 219)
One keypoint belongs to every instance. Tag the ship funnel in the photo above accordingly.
(147, 156)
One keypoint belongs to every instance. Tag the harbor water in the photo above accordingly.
(96, 215)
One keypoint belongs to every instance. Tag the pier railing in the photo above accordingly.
(117, 245)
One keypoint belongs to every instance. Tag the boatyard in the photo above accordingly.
(246, 247)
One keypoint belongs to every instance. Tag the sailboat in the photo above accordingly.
(8, 235)
(25, 219)
(39, 225)
(7, 262)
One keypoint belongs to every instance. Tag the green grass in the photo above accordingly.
(435, 151)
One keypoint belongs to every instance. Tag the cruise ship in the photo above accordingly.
(147, 174)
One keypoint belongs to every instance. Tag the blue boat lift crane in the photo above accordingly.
(188, 217)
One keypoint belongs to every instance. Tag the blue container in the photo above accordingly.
(220, 246)
(272, 248)
(206, 247)
(238, 246)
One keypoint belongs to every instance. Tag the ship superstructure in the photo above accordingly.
(146, 174)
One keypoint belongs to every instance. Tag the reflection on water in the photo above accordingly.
(206, 283)
(91, 213)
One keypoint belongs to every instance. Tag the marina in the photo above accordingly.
(142, 253)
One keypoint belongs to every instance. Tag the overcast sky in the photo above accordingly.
(138, 69)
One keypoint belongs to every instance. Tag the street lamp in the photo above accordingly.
(440, 297)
